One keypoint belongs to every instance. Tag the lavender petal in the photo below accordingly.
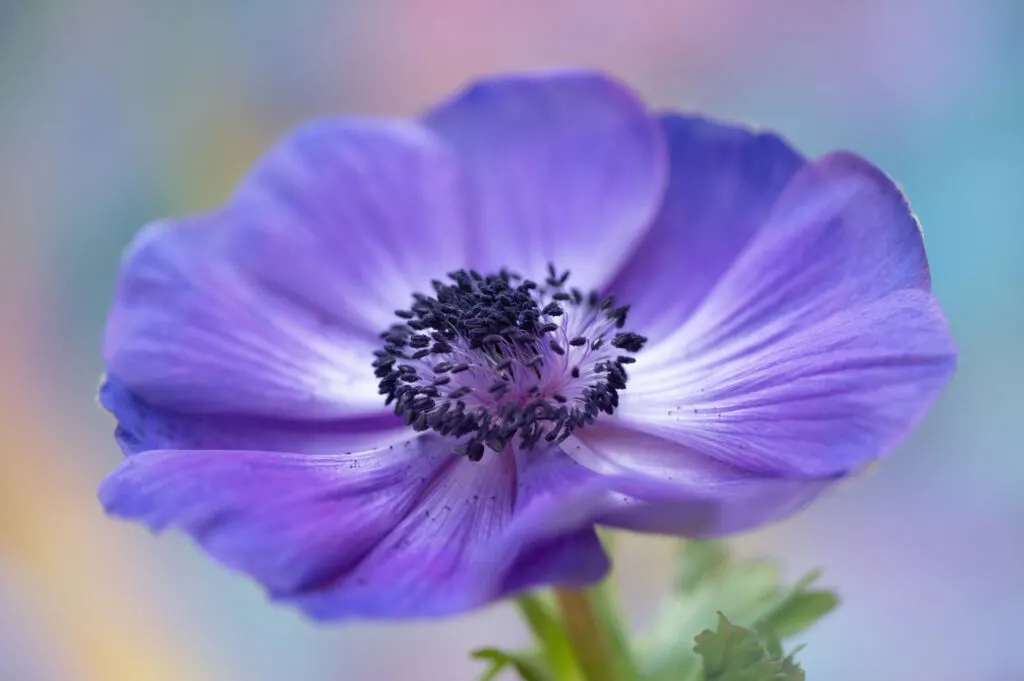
(402, 531)
(567, 168)
(813, 402)
(272, 305)
(722, 182)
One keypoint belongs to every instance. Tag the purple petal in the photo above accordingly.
(401, 531)
(271, 307)
(667, 488)
(484, 531)
(812, 402)
(722, 182)
(717, 512)
(351, 217)
(574, 561)
(141, 427)
(189, 331)
(291, 521)
(841, 234)
(568, 169)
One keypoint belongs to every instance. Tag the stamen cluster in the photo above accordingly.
(503, 360)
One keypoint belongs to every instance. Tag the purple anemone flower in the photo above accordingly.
(411, 365)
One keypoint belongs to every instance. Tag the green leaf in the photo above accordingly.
(528, 667)
(701, 559)
(799, 610)
(751, 592)
(734, 653)
(547, 628)
(770, 638)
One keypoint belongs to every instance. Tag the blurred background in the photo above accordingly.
(115, 112)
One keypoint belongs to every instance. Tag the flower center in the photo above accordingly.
(502, 360)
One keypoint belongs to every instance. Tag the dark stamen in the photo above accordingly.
(498, 326)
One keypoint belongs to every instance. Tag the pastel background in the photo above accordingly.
(115, 112)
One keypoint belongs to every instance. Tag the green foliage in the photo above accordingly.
(544, 622)
(554, 658)
(732, 653)
(610, 619)
(752, 594)
(799, 610)
(529, 667)
(743, 644)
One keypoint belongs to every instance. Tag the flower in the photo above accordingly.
(410, 365)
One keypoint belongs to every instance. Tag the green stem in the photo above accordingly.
(590, 642)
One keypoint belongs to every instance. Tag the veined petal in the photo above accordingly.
(142, 427)
(815, 402)
(551, 540)
(483, 531)
(401, 531)
(723, 180)
(840, 235)
(350, 217)
(271, 307)
(667, 488)
(291, 521)
(568, 168)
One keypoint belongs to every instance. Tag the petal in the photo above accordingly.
(402, 531)
(188, 331)
(352, 217)
(483, 531)
(291, 521)
(568, 169)
(667, 488)
(719, 512)
(574, 561)
(271, 307)
(141, 427)
(841, 234)
(815, 402)
(555, 496)
(722, 182)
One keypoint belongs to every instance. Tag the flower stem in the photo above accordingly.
(590, 642)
